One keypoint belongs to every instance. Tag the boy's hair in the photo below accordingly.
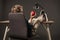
(18, 8)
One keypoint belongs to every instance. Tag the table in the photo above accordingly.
(46, 27)
(6, 22)
(48, 23)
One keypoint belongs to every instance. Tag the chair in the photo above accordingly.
(17, 26)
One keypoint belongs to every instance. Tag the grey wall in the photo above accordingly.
(52, 7)
(2, 28)
(1, 7)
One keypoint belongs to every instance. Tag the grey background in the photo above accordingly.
(52, 7)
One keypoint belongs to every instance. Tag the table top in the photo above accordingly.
(7, 21)
(48, 22)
